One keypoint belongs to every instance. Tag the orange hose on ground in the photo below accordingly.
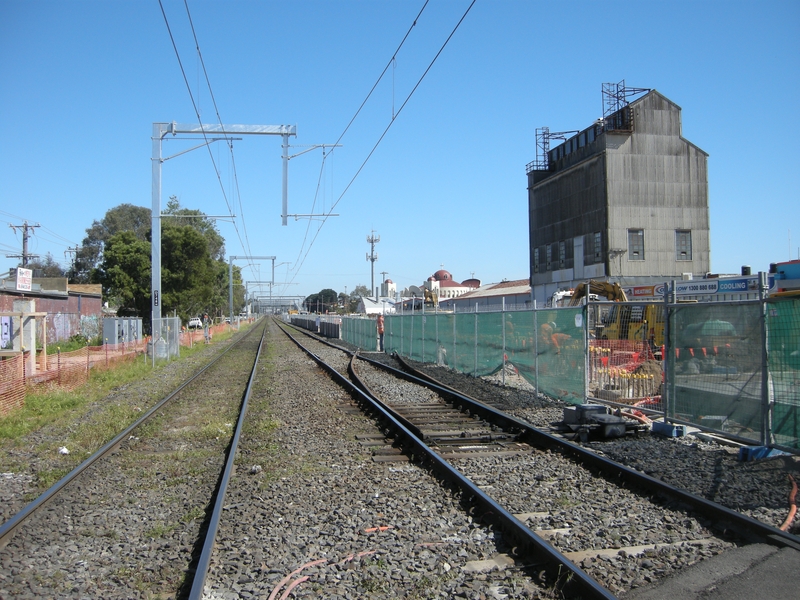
(792, 505)
(283, 581)
(293, 585)
(641, 419)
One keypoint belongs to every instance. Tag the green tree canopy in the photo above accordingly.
(194, 218)
(194, 275)
(187, 272)
(125, 217)
(323, 301)
(48, 267)
(125, 274)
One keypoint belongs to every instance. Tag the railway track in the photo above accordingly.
(137, 518)
(534, 475)
(322, 499)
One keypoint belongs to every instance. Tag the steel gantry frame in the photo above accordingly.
(160, 130)
(230, 274)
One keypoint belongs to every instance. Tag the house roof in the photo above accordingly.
(504, 288)
(372, 307)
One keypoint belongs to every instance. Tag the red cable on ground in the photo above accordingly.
(283, 581)
(292, 585)
(300, 580)
(792, 505)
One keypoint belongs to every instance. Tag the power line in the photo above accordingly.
(197, 114)
(385, 131)
(386, 68)
(246, 244)
(298, 260)
(60, 239)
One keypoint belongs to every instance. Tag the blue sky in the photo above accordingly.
(81, 83)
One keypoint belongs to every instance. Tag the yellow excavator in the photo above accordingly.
(611, 291)
(431, 298)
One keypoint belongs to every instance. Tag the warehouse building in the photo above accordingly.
(623, 200)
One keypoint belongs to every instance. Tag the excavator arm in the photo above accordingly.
(431, 298)
(611, 291)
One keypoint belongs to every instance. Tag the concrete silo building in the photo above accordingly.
(624, 200)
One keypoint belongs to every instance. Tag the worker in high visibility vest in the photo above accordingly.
(380, 333)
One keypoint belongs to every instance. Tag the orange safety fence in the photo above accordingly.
(190, 337)
(12, 383)
(621, 368)
(64, 370)
(69, 370)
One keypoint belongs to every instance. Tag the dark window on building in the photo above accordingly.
(535, 260)
(549, 257)
(562, 254)
(592, 248)
(683, 244)
(635, 244)
(569, 254)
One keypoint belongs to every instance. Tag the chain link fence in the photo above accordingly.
(726, 367)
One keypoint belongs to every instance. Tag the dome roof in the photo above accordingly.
(442, 275)
(389, 281)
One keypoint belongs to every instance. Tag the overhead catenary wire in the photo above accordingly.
(197, 111)
(385, 131)
(246, 244)
(298, 261)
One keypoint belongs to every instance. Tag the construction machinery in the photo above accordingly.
(431, 298)
(611, 291)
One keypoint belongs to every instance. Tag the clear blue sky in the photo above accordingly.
(81, 83)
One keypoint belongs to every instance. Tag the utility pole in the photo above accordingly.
(73, 252)
(24, 256)
(372, 257)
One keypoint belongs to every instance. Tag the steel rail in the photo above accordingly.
(8, 528)
(204, 562)
(571, 580)
(723, 517)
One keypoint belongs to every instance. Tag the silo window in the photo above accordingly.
(635, 244)
(683, 244)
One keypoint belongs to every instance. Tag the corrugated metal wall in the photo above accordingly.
(652, 179)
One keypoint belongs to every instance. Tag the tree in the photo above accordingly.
(178, 216)
(125, 274)
(125, 217)
(48, 267)
(187, 272)
(194, 275)
(361, 290)
(321, 302)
